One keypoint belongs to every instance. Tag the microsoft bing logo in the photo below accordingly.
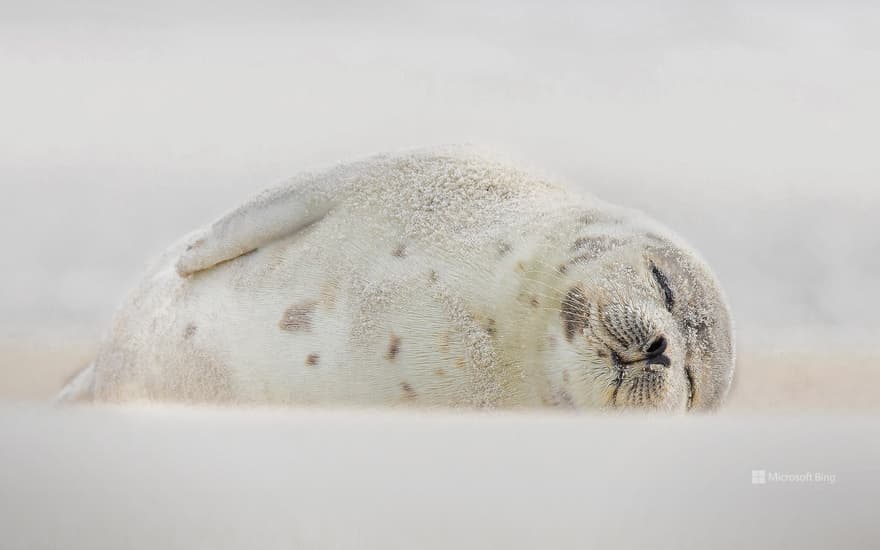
(763, 477)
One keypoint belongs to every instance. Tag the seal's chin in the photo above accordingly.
(640, 386)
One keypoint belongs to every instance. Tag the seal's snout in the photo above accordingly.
(636, 332)
(655, 352)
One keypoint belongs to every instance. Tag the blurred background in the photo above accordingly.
(749, 127)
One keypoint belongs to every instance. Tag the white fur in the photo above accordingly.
(408, 279)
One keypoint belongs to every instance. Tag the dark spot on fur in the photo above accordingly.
(580, 243)
(583, 258)
(504, 249)
(298, 317)
(574, 312)
(190, 331)
(590, 248)
(521, 266)
(400, 251)
(602, 353)
(534, 302)
(393, 347)
(491, 329)
(312, 359)
(433, 276)
(408, 391)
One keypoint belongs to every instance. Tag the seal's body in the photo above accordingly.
(429, 278)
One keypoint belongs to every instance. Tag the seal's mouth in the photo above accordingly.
(638, 384)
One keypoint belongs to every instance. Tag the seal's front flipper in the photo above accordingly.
(272, 215)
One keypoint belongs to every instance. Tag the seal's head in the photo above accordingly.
(646, 326)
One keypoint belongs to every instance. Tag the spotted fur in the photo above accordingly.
(435, 278)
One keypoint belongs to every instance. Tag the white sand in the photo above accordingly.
(179, 478)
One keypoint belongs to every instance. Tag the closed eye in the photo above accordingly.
(661, 279)
(690, 381)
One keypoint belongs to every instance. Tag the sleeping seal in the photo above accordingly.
(430, 278)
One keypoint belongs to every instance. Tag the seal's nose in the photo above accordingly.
(656, 347)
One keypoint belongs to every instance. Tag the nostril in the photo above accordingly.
(657, 347)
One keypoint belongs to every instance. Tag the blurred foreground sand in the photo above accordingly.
(764, 382)
(177, 477)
